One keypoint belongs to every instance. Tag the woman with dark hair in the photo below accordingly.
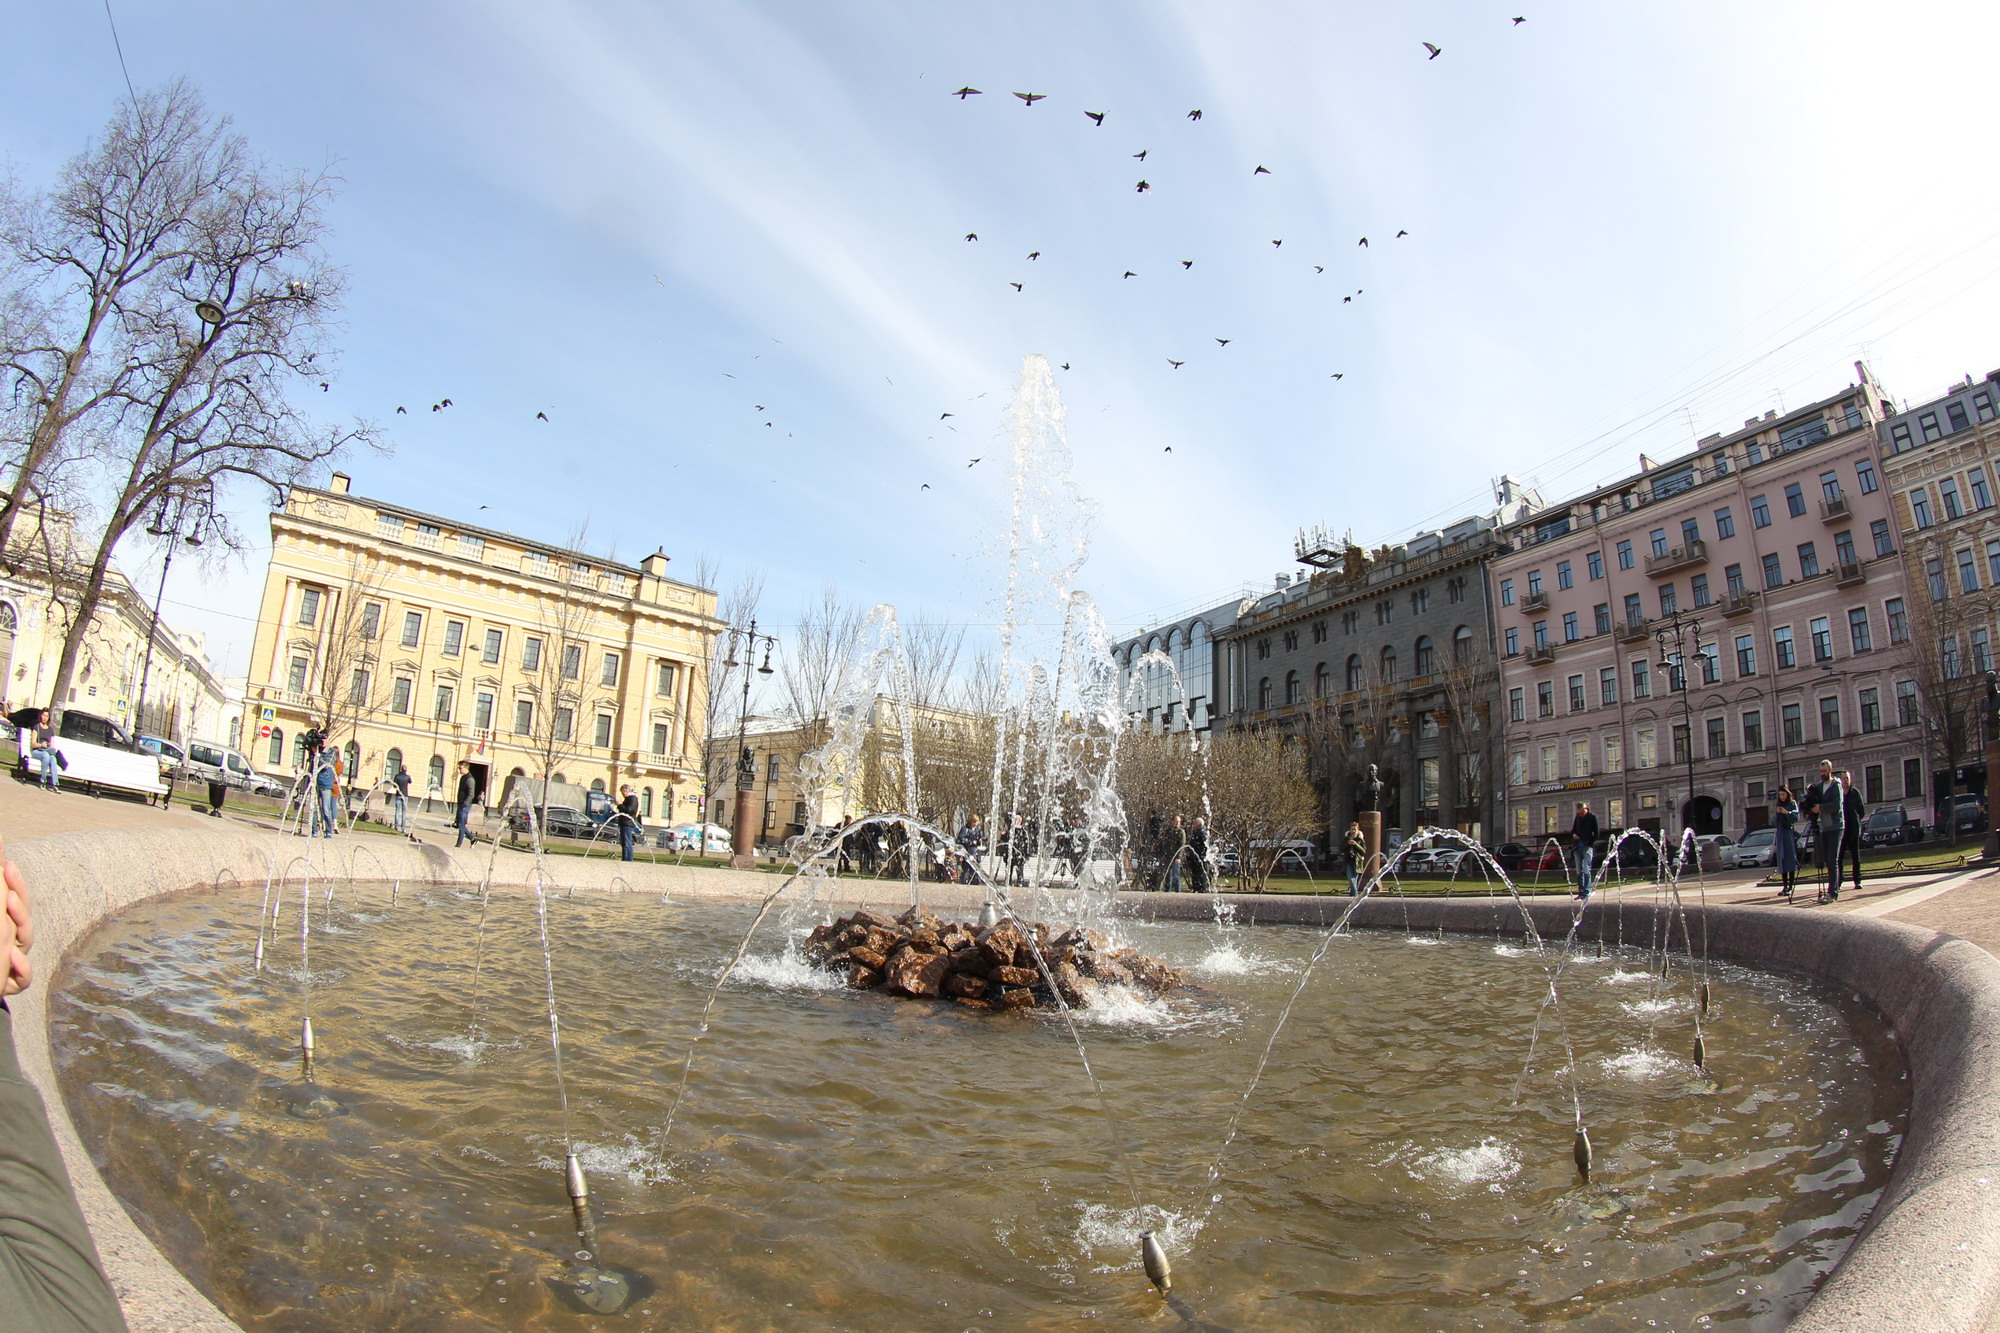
(1785, 856)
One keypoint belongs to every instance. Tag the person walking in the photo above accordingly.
(1826, 804)
(1583, 848)
(628, 821)
(971, 843)
(326, 795)
(1019, 843)
(400, 780)
(468, 792)
(1785, 850)
(1355, 848)
(1854, 813)
(1198, 854)
(1174, 846)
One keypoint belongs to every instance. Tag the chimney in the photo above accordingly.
(654, 566)
(339, 483)
(1770, 415)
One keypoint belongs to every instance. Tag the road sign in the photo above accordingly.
(263, 733)
(267, 714)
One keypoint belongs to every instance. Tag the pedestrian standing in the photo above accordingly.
(1198, 854)
(401, 781)
(1785, 850)
(1826, 805)
(325, 795)
(468, 792)
(1355, 847)
(1854, 813)
(628, 821)
(1018, 842)
(1583, 847)
(971, 841)
(1175, 846)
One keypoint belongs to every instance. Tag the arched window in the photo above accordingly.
(1291, 687)
(1427, 658)
(1322, 681)
(9, 619)
(1461, 646)
(1354, 671)
(392, 763)
(1388, 666)
(646, 802)
(1264, 693)
(437, 773)
(597, 784)
(298, 749)
(353, 768)
(277, 746)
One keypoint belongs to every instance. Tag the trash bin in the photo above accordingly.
(216, 792)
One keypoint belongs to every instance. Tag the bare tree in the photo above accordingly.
(213, 346)
(1950, 687)
(1471, 687)
(722, 709)
(1262, 798)
(814, 666)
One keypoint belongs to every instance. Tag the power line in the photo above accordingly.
(119, 47)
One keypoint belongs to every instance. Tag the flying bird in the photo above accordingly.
(1338, 375)
(1015, 285)
(943, 415)
(1276, 244)
(1224, 341)
(965, 92)
(1319, 268)
(1169, 449)
(447, 402)
(1195, 114)
(324, 387)
(1261, 171)
(1401, 234)
(1519, 19)
(436, 407)
(926, 486)
(541, 416)
(1034, 254)
(1097, 118)
(1435, 51)
(1065, 365)
(1187, 263)
(402, 411)
(1347, 300)
(757, 407)
(1175, 364)
(1130, 274)
(974, 461)
(1031, 98)
(1142, 187)
(972, 236)
(1363, 242)
(1141, 154)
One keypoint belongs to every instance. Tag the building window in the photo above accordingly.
(1625, 555)
(531, 654)
(663, 679)
(1669, 599)
(1884, 543)
(1517, 705)
(1774, 571)
(437, 773)
(429, 537)
(572, 661)
(1420, 602)
(357, 687)
(1541, 629)
(1657, 539)
(390, 526)
(296, 680)
(1968, 572)
(371, 621)
(277, 752)
(442, 711)
(1733, 580)
(1718, 747)
(1698, 586)
(1829, 718)
(1607, 685)
(454, 637)
(1534, 583)
(1829, 486)
(1570, 631)
(608, 675)
(1760, 512)
(1982, 494)
(1601, 617)
(1563, 576)
(1753, 730)
(1859, 637)
(1645, 752)
(1291, 640)
(482, 711)
(1982, 406)
(1614, 754)
(1682, 753)
(603, 739)
(1506, 592)
(1913, 777)
(471, 547)
(1354, 669)
(1635, 611)
(309, 606)
(1319, 626)
(1690, 531)
(1264, 645)
(490, 651)
(1843, 548)
(1982, 655)
(1920, 508)
(1545, 699)
(565, 722)
(1934, 577)
(1928, 423)
(1906, 703)
(1388, 666)
(1292, 687)
(1595, 562)
(1871, 712)
(1550, 772)
(1948, 492)
(399, 695)
(1795, 499)
(1579, 759)
(1822, 639)
(413, 628)
(1461, 646)
(1576, 700)
(1864, 475)
(524, 717)
(660, 739)
(1264, 693)
(1808, 560)
(1792, 724)
(1711, 664)
(1782, 649)
(1642, 680)
(1725, 524)
(1899, 623)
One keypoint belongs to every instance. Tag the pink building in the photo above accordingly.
(1772, 554)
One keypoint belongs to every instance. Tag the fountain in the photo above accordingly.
(842, 1161)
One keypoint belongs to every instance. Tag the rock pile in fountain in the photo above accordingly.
(919, 956)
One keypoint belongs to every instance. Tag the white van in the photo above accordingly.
(210, 762)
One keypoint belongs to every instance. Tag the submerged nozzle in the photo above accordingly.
(1704, 999)
(1700, 1052)
(989, 917)
(1581, 1150)
(395, 888)
(579, 1203)
(1158, 1270)
(306, 1044)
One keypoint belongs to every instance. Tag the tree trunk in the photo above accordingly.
(79, 626)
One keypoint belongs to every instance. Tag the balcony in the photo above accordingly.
(1739, 604)
(1835, 510)
(1678, 557)
(1535, 601)
(1849, 572)
(1541, 652)
(1632, 629)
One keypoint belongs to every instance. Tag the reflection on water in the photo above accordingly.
(847, 1161)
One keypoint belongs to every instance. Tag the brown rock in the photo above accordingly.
(871, 920)
(971, 963)
(917, 918)
(1016, 976)
(973, 986)
(1024, 954)
(867, 957)
(1015, 997)
(864, 978)
(1150, 972)
(928, 940)
(1071, 986)
(917, 973)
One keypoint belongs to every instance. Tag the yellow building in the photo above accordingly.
(418, 641)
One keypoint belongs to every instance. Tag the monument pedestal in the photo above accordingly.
(743, 836)
(1371, 835)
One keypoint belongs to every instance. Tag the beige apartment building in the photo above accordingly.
(420, 641)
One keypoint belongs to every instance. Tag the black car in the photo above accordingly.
(558, 821)
(1510, 855)
(1889, 826)
(94, 730)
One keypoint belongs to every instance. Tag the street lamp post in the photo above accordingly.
(1676, 629)
(191, 513)
(743, 857)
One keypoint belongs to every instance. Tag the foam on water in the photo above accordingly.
(635, 1163)
(1641, 1064)
(467, 1046)
(1511, 951)
(1622, 977)
(1659, 1004)
(1109, 1237)
(1226, 960)
(1122, 1007)
(1487, 1162)
(1420, 939)
(785, 971)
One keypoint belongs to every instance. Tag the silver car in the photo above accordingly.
(1758, 848)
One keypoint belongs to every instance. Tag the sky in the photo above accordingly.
(723, 248)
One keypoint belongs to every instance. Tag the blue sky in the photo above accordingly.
(667, 225)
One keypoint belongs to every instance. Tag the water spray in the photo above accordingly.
(1158, 1269)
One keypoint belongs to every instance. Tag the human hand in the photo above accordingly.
(17, 933)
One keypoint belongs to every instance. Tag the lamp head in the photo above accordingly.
(208, 312)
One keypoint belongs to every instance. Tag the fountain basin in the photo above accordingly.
(1938, 993)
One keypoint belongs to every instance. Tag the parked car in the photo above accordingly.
(210, 762)
(1633, 853)
(1509, 855)
(687, 838)
(1889, 826)
(1968, 815)
(558, 821)
(1758, 848)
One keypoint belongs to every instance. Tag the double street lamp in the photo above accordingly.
(743, 858)
(185, 515)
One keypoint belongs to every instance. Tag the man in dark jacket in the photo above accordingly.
(628, 822)
(1197, 842)
(1850, 833)
(468, 792)
(1583, 847)
(1826, 804)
